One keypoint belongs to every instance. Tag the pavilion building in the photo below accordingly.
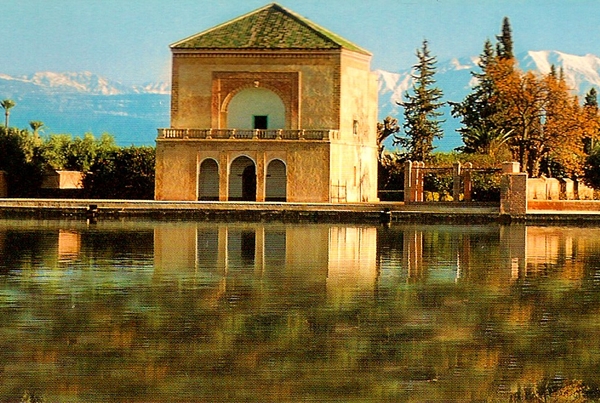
(269, 107)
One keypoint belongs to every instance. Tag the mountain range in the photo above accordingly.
(77, 103)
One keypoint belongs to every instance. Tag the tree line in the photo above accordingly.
(510, 114)
(109, 171)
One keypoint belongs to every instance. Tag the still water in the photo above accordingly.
(142, 311)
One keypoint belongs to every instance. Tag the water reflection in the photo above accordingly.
(186, 311)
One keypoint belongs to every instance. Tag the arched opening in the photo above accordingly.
(208, 180)
(276, 186)
(256, 108)
(242, 180)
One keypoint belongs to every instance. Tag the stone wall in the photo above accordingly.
(513, 190)
(307, 167)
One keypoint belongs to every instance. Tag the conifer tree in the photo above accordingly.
(505, 42)
(592, 112)
(479, 130)
(421, 109)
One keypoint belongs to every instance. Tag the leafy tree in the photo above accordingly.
(592, 168)
(61, 151)
(385, 129)
(7, 105)
(126, 173)
(534, 116)
(18, 157)
(421, 109)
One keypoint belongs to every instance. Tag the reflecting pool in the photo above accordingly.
(143, 311)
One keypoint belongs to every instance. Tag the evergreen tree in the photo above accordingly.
(479, 130)
(504, 48)
(591, 99)
(592, 111)
(421, 109)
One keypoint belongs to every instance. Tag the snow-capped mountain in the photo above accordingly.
(82, 83)
(76, 103)
(581, 72)
(85, 102)
(455, 79)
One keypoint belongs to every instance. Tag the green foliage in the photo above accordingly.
(61, 151)
(19, 159)
(390, 177)
(592, 169)
(126, 173)
(438, 184)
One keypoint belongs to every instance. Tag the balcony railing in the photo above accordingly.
(230, 134)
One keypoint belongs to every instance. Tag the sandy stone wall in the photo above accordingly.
(195, 74)
(320, 90)
(307, 165)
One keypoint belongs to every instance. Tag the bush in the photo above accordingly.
(126, 173)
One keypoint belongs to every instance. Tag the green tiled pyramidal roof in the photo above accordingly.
(270, 27)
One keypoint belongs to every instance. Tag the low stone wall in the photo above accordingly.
(583, 206)
(543, 189)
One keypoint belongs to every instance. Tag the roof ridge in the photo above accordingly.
(325, 35)
(206, 31)
(321, 31)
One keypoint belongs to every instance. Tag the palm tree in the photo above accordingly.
(7, 104)
(35, 126)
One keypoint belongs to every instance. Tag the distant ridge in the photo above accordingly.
(82, 102)
(70, 82)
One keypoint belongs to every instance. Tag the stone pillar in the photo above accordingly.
(467, 182)
(513, 190)
(456, 181)
(261, 177)
(418, 178)
(408, 181)
(223, 177)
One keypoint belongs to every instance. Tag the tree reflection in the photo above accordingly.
(153, 312)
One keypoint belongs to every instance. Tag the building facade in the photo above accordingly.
(269, 107)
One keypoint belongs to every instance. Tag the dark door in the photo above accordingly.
(249, 183)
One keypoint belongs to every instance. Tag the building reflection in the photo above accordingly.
(350, 260)
(69, 245)
(341, 259)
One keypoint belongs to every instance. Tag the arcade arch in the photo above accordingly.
(242, 180)
(208, 180)
(276, 181)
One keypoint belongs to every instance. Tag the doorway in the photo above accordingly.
(242, 180)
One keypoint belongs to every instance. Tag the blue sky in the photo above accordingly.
(127, 40)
